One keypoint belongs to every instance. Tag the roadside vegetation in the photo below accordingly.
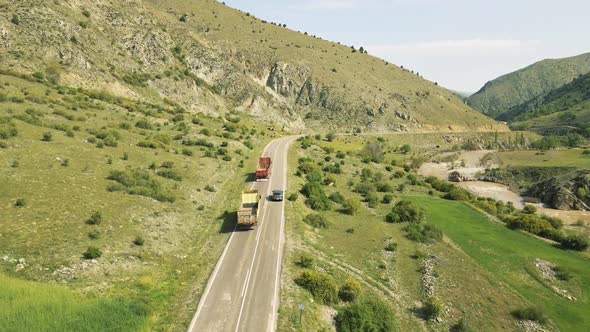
(408, 241)
(100, 189)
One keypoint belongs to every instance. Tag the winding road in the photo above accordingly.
(242, 293)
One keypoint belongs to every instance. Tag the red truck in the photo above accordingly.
(263, 171)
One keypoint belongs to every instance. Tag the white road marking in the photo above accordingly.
(244, 296)
(218, 265)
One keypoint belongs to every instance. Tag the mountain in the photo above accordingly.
(505, 92)
(561, 110)
(207, 57)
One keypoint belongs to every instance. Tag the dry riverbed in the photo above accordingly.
(470, 166)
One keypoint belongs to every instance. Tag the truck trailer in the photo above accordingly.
(248, 211)
(264, 168)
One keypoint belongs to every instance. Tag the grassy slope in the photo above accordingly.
(471, 255)
(182, 240)
(233, 54)
(499, 95)
(29, 306)
(567, 106)
(505, 253)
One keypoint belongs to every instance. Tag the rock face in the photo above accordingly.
(567, 192)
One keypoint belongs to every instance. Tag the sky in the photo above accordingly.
(461, 44)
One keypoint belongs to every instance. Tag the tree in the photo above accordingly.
(406, 148)
(351, 205)
(367, 315)
(406, 211)
(362, 50)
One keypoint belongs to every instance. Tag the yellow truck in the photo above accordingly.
(248, 211)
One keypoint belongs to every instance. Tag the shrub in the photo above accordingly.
(387, 198)
(575, 242)
(460, 326)
(144, 124)
(336, 197)
(391, 246)
(351, 206)
(535, 314)
(86, 13)
(95, 218)
(7, 128)
(20, 202)
(316, 197)
(321, 286)
(169, 174)
(210, 188)
(368, 315)
(432, 308)
(529, 209)
(372, 199)
(139, 182)
(316, 220)
(406, 211)
(305, 261)
(406, 148)
(93, 235)
(457, 194)
(423, 233)
(350, 290)
(47, 137)
(562, 273)
(330, 136)
(138, 241)
(364, 188)
(92, 253)
(293, 197)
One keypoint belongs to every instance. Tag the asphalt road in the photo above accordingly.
(242, 293)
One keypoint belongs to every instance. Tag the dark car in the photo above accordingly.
(277, 195)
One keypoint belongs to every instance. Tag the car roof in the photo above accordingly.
(277, 191)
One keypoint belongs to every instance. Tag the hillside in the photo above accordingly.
(560, 110)
(210, 58)
(510, 90)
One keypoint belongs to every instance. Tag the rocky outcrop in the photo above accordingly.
(566, 192)
(287, 79)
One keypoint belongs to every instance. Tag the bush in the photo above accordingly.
(330, 136)
(47, 137)
(391, 246)
(368, 315)
(316, 197)
(336, 197)
(321, 286)
(169, 174)
(139, 182)
(21, 202)
(432, 308)
(305, 261)
(95, 218)
(351, 206)
(210, 188)
(144, 124)
(562, 274)
(384, 187)
(535, 314)
(92, 253)
(372, 199)
(406, 148)
(93, 235)
(350, 290)
(316, 220)
(387, 198)
(423, 233)
(7, 128)
(139, 241)
(575, 242)
(293, 197)
(460, 326)
(457, 194)
(529, 209)
(406, 211)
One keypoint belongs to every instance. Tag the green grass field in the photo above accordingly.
(30, 306)
(550, 158)
(505, 253)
